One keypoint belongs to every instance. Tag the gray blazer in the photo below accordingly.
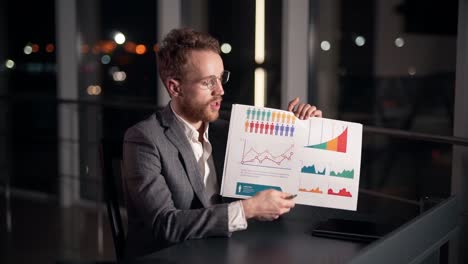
(165, 194)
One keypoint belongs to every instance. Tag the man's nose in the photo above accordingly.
(219, 89)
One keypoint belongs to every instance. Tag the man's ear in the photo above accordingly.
(173, 87)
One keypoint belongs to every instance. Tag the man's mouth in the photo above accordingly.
(216, 104)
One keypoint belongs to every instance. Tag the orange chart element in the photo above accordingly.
(337, 144)
(313, 190)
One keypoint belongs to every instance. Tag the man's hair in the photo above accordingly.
(173, 51)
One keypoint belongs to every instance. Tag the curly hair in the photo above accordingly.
(172, 54)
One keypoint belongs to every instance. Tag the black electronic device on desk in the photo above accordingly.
(361, 231)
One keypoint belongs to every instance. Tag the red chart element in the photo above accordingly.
(342, 192)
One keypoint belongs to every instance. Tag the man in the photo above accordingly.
(173, 160)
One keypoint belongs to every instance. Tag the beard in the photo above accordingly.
(197, 111)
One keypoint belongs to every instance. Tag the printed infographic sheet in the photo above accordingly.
(318, 159)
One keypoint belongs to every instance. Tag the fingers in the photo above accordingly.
(309, 111)
(288, 204)
(273, 216)
(312, 111)
(268, 218)
(293, 103)
(268, 205)
(303, 111)
(317, 113)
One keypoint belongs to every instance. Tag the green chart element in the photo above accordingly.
(319, 146)
(312, 170)
(349, 174)
(251, 189)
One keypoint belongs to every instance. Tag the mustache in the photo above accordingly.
(216, 98)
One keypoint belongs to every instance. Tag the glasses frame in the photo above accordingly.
(210, 82)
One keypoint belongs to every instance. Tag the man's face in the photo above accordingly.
(197, 102)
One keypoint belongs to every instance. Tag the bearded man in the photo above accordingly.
(173, 161)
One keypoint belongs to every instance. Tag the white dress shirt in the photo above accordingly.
(202, 152)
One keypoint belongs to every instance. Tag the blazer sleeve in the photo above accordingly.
(151, 197)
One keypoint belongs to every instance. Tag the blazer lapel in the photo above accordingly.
(176, 135)
(219, 135)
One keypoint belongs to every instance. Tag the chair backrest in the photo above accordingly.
(110, 159)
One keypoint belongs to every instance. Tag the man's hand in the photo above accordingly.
(303, 111)
(267, 205)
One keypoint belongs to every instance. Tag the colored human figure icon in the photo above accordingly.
(251, 126)
(272, 127)
(258, 114)
(263, 114)
(292, 131)
(286, 130)
(276, 129)
(288, 118)
(281, 129)
(273, 115)
(253, 114)
(267, 127)
(282, 117)
(256, 127)
(248, 113)
(246, 126)
(293, 119)
(268, 115)
(261, 128)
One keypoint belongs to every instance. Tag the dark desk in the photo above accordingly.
(288, 240)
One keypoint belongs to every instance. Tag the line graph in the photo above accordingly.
(257, 155)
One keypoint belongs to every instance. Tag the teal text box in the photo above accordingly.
(250, 189)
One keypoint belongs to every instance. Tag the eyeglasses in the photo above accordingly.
(210, 82)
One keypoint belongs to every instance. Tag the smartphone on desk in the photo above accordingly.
(361, 231)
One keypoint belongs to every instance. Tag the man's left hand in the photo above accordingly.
(303, 111)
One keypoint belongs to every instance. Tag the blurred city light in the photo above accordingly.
(35, 48)
(119, 38)
(105, 59)
(259, 31)
(226, 48)
(325, 45)
(360, 41)
(140, 49)
(27, 49)
(260, 84)
(156, 48)
(84, 48)
(9, 64)
(119, 76)
(130, 47)
(50, 48)
(94, 90)
(107, 46)
(399, 42)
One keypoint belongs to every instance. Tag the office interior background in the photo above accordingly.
(75, 72)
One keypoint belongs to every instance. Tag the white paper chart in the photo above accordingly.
(318, 159)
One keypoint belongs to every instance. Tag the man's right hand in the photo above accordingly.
(267, 205)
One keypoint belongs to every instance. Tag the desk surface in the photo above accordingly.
(273, 242)
(286, 240)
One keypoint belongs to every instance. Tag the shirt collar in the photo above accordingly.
(190, 131)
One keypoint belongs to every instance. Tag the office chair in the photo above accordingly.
(111, 173)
